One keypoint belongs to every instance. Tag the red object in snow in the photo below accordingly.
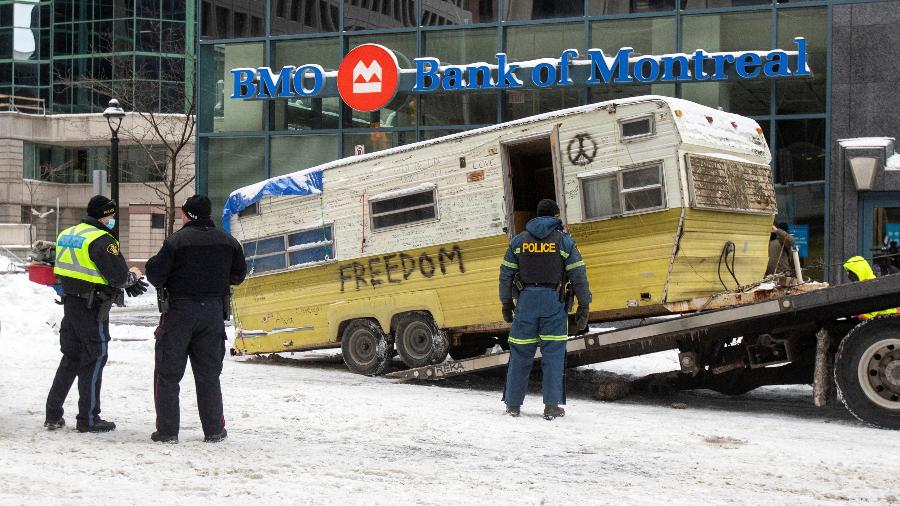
(41, 274)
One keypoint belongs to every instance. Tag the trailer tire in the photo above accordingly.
(419, 341)
(366, 349)
(867, 372)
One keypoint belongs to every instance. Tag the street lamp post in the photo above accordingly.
(114, 115)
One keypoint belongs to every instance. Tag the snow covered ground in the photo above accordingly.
(302, 429)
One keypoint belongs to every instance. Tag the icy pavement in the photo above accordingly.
(302, 429)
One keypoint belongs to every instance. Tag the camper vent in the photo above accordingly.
(636, 128)
(730, 185)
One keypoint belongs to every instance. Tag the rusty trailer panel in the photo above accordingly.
(812, 308)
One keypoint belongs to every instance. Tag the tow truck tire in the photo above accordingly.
(366, 348)
(419, 342)
(867, 372)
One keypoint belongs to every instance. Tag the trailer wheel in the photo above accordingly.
(867, 372)
(365, 348)
(419, 342)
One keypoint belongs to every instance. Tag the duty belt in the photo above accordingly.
(542, 285)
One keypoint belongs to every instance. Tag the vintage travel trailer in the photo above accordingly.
(669, 202)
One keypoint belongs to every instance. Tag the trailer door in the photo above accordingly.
(532, 171)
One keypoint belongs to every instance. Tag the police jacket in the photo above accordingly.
(104, 252)
(198, 261)
(543, 254)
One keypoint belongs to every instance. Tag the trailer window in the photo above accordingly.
(305, 247)
(265, 254)
(636, 128)
(403, 209)
(311, 246)
(623, 192)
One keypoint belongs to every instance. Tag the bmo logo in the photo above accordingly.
(367, 77)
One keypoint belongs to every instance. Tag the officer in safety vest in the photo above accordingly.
(858, 269)
(535, 269)
(92, 273)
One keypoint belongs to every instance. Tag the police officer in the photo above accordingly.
(534, 270)
(195, 268)
(92, 272)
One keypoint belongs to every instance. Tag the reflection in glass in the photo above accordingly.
(459, 108)
(464, 12)
(727, 32)
(298, 152)
(461, 46)
(218, 112)
(524, 103)
(647, 36)
(543, 41)
(714, 4)
(370, 142)
(800, 150)
(299, 16)
(303, 113)
(748, 98)
(805, 95)
(231, 163)
(224, 19)
(542, 9)
(611, 7)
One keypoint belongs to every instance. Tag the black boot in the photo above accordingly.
(54, 424)
(100, 425)
(162, 438)
(512, 411)
(215, 438)
(552, 411)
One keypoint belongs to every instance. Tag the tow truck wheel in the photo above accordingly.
(419, 342)
(365, 348)
(867, 372)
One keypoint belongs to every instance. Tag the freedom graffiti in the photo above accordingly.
(396, 268)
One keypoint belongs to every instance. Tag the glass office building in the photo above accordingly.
(243, 141)
(50, 49)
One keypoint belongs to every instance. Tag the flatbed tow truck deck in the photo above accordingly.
(817, 328)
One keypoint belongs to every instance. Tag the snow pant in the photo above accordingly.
(83, 342)
(191, 329)
(540, 319)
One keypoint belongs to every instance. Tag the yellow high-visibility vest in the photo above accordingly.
(859, 266)
(73, 259)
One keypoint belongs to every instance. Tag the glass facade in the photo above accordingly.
(243, 141)
(70, 56)
(64, 164)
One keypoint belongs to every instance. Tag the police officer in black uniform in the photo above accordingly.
(92, 272)
(193, 273)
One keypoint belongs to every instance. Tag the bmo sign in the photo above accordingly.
(368, 77)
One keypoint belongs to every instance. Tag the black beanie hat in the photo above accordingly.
(547, 207)
(197, 207)
(101, 207)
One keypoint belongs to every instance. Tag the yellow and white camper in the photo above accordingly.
(400, 249)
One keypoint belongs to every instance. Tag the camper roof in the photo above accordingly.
(699, 124)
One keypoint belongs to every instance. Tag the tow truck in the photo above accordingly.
(780, 336)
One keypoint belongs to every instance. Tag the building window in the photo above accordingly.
(157, 220)
(403, 207)
(610, 192)
(296, 249)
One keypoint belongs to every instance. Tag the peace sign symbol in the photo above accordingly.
(582, 155)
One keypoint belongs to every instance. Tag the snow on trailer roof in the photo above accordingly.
(301, 182)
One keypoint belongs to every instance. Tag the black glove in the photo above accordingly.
(581, 318)
(138, 287)
(508, 308)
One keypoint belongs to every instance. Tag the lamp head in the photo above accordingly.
(114, 114)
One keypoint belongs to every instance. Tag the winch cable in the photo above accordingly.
(729, 248)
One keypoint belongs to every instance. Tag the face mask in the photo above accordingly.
(111, 224)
